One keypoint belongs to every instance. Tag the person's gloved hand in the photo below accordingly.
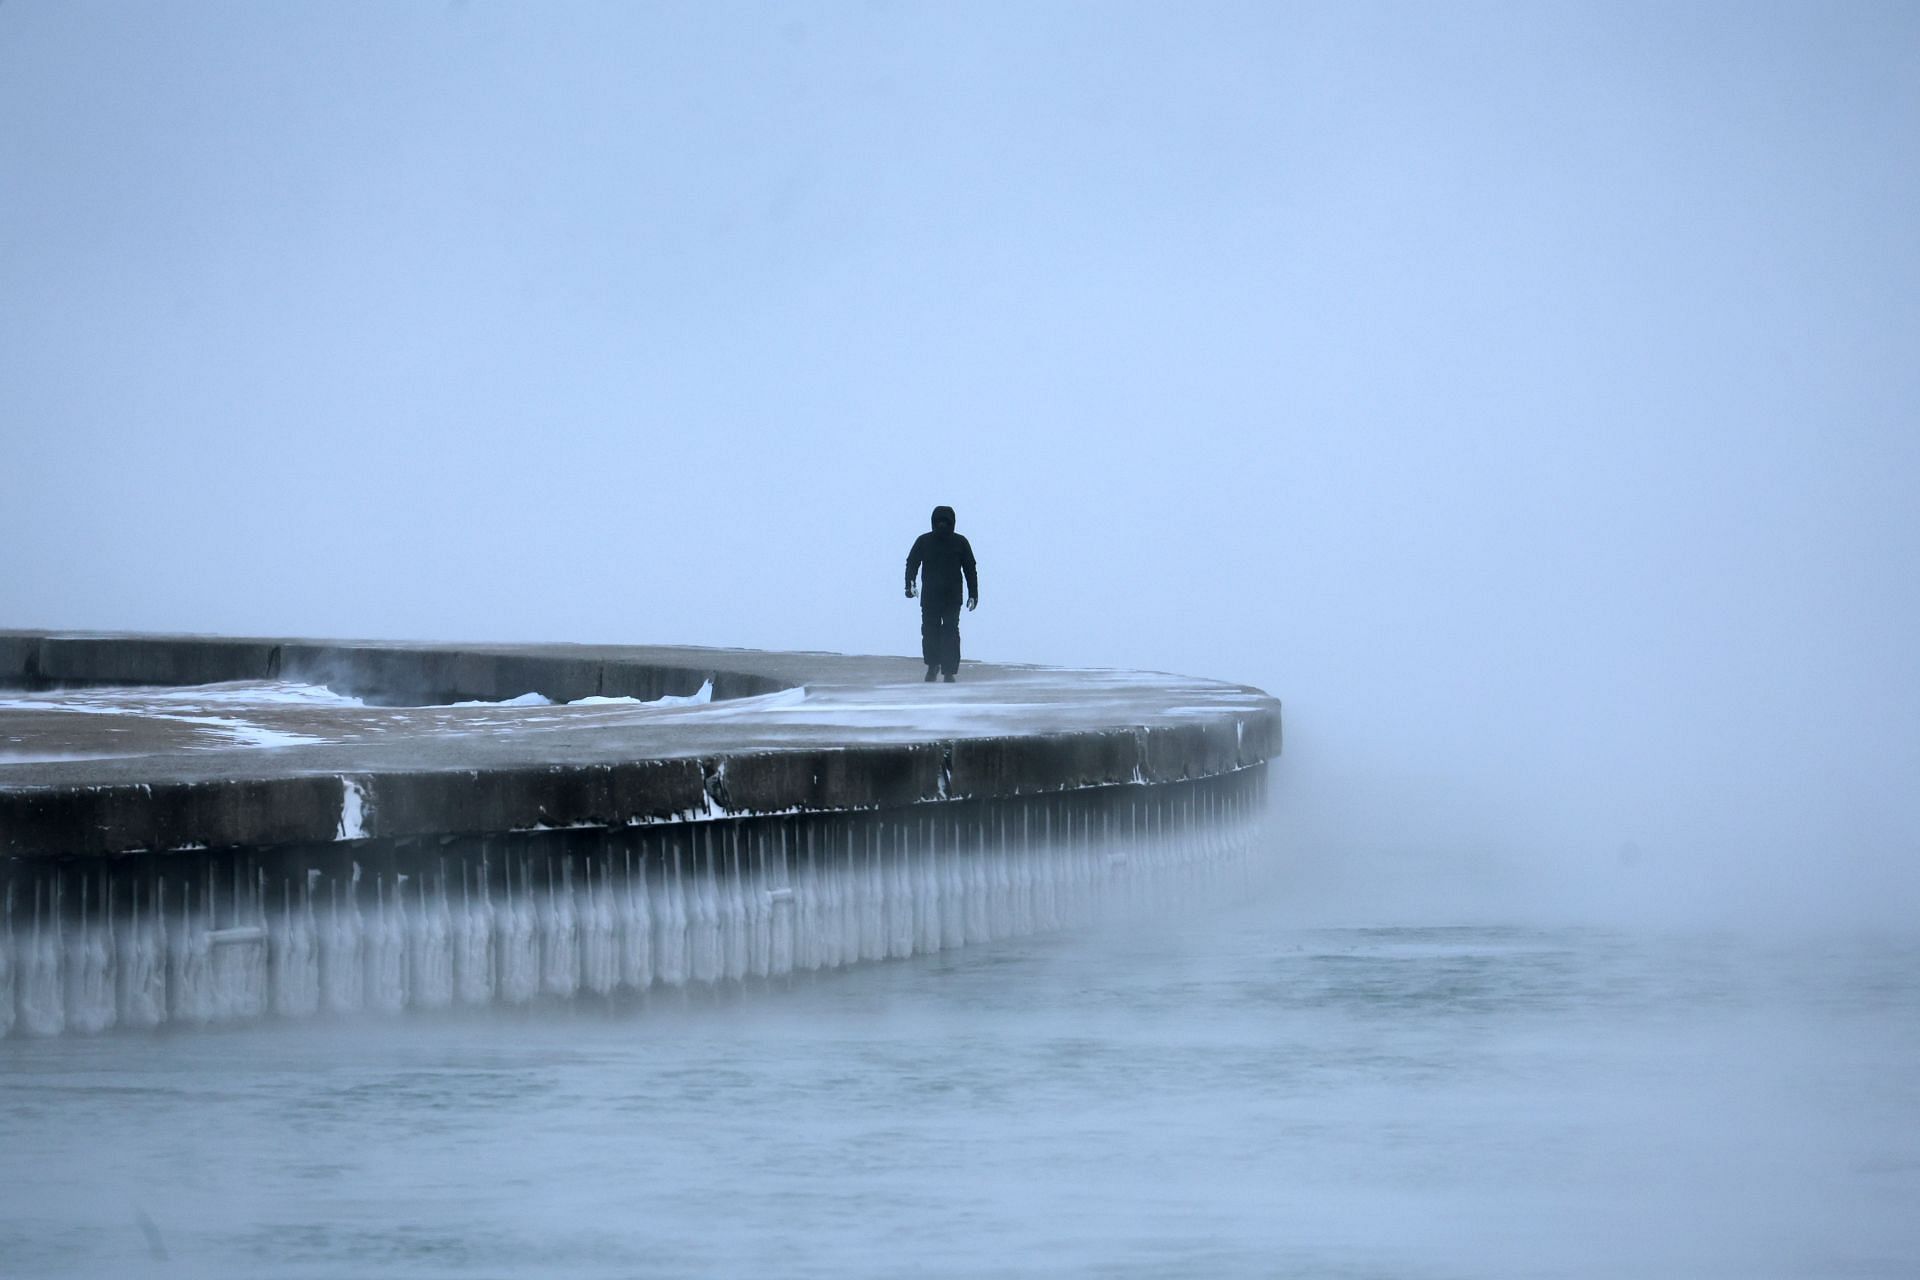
(909, 591)
(973, 602)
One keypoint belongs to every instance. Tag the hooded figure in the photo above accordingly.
(941, 559)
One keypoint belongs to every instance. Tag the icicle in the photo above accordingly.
(90, 1002)
(830, 909)
(780, 908)
(236, 951)
(758, 905)
(854, 884)
(1019, 879)
(922, 898)
(829, 906)
(7, 965)
(806, 930)
(430, 946)
(342, 977)
(826, 941)
(1047, 866)
(472, 938)
(1093, 870)
(386, 952)
(143, 966)
(636, 935)
(300, 990)
(186, 959)
(559, 934)
(899, 890)
(703, 923)
(953, 885)
(873, 899)
(42, 1011)
(517, 939)
(1003, 913)
(599, 933)
(739, 945)
(670, 926)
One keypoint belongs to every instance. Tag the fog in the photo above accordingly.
(1524, 394)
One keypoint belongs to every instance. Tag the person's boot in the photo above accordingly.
(948, 677)
(931, 673)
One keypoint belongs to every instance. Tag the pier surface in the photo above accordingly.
(114, 744)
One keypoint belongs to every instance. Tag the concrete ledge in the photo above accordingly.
(152, 660)
(786, 732)
(19, 657)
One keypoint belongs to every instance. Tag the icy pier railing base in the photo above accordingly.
(385, 926)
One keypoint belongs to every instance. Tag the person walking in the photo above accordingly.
(941, 558)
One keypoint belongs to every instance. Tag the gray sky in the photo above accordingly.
(1525, 393)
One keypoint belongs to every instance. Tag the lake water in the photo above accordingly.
(1230, 1093)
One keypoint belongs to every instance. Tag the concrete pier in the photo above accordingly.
(198, 830)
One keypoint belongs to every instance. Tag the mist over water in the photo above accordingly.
(1524, 394)
(1216, 1092)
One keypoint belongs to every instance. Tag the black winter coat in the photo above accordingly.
(941, 558)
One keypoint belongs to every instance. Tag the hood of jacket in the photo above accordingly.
(943, 519)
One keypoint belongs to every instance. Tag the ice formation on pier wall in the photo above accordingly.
(373, 927)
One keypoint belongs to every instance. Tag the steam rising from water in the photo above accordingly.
(1202, 1093)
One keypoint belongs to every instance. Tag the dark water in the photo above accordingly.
(1229, 1094)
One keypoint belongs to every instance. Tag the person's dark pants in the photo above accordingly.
(940, 633)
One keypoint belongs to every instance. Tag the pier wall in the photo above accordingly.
(577, 852)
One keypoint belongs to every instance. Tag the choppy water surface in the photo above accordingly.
(1225, 1095)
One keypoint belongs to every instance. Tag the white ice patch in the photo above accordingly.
(183, 702)
(702, 695)
(353, 811)
(202, 706)
(291, 692)
(253, 735)
(698, 698)
(762, 702)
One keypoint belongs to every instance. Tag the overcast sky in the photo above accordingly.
(1527, 394)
